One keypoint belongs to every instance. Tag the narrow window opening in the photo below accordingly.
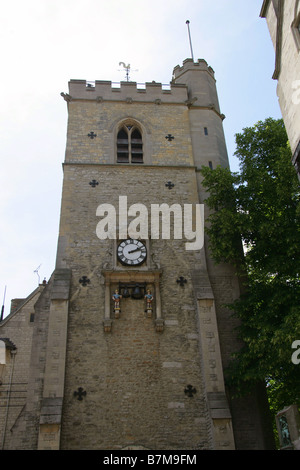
(129, 145)
(122, 147)
(210, 165)
(205, 131)
(136, 147)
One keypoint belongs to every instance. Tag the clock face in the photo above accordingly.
(132, 252)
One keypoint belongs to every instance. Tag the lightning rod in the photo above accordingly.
(188, 25)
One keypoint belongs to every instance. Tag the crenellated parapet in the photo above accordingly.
(193, 85)
(199, 77)
(190, 65)
(102, 90)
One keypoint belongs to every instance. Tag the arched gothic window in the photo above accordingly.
(129, 145)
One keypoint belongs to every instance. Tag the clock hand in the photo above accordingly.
(133, 251)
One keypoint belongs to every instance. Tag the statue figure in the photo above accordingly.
(149, 299)
(116, 298)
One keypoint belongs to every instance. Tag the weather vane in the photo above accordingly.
(127, 68)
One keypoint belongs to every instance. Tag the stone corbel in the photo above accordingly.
(190, 102)
(66, 97)
(107, 325)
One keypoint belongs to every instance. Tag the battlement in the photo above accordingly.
(200, 80)
(102, 90)
(185, 85)
(189, 65)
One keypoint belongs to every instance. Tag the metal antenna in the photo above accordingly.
(37, 271)
(2, 309)
(188, 25)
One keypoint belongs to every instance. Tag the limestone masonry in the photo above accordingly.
(283, 20)
(86, 370)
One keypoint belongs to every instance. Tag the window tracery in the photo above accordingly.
(129, 144)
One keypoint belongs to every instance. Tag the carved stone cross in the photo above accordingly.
(84, 281)
(80, 393)
(92, 135)
(190, 391)
(181, 281)
(170, 185)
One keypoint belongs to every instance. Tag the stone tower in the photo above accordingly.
(133, 372)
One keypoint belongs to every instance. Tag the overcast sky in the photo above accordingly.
(45, 43)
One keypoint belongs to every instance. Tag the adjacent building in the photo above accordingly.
(283, 19)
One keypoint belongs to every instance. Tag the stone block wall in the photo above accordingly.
(152, 380)
(18, 328)
(283, 20)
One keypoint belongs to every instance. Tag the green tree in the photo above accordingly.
(258, 209)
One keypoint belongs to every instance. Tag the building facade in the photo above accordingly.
(82, 367)
(283, 20)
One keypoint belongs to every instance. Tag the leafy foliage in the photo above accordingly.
(259, 209)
